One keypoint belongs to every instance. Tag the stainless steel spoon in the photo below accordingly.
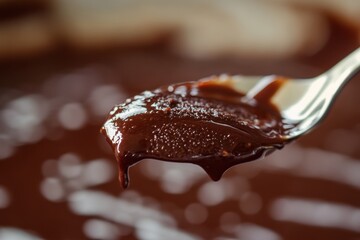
(302, 102)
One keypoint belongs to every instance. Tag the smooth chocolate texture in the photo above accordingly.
(205, 123)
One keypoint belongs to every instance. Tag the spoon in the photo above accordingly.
(219, 122)
(303, 103)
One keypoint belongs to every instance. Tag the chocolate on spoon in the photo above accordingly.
(206, 123)
(222, 121)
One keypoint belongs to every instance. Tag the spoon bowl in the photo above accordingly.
(223, 121)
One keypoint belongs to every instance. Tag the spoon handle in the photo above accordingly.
(321, 92)
(344, 70)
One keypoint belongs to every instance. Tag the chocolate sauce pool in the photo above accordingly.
(58, 179)
(205, 123)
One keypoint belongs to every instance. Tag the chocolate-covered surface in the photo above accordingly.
(58, 177)
(204, 123)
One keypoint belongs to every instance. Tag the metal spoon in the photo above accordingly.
(302, 102)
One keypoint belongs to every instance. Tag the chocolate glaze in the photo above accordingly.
(205, 123)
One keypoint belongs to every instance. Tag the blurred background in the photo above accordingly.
(65, 63)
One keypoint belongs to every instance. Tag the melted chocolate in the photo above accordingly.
(205, 123)
(298, 180)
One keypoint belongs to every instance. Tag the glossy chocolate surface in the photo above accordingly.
(205, 123)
